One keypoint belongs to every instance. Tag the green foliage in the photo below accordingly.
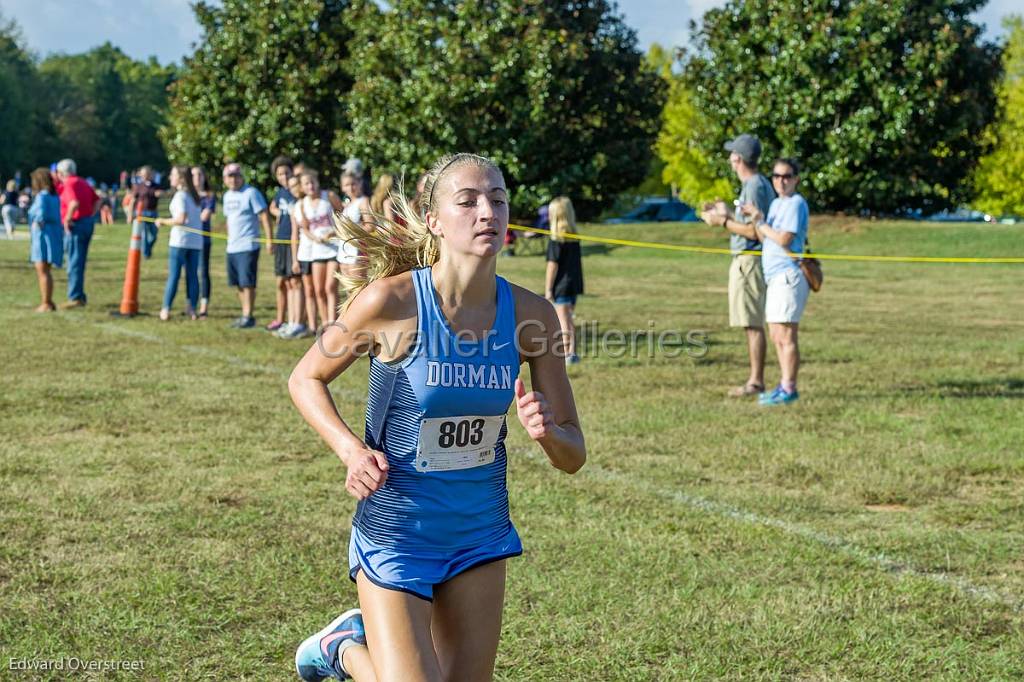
(686, 167)
(18, 87)
(884, 100)
(1000, 176)
(653, 184)
(100, 108)
(76, 114)
(557, 93)
(105, 109)
(681, 168)
(266, 79)
(660, 60)
(146, 85)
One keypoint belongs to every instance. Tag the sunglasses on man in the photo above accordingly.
(782, 176)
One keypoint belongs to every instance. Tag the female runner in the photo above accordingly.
(446, 338)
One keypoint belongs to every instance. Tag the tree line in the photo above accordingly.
(892, 105)
(557, 93)
(101, 108)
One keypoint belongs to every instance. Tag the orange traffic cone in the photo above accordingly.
(130, 293)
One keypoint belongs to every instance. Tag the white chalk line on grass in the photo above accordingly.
(112, 328)
(195, 350)
(893, 565)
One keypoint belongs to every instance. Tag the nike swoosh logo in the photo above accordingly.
(334, 636)
(499, 346)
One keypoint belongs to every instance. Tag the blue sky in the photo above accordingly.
(167, 28)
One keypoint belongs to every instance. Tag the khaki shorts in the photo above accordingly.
(746, 292)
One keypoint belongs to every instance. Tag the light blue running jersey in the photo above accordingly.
(439, 416)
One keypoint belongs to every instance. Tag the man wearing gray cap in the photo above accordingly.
(746, 278)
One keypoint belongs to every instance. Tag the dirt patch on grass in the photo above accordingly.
(838, 223)
(886, 507)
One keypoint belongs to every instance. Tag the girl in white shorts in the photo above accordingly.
(323, 254)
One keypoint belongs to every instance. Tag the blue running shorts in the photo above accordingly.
(417, 572)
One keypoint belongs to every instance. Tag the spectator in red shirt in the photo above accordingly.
(78, 206)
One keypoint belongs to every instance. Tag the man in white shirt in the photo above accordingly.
(245, 209)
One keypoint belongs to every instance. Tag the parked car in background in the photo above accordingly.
(657, 210)
(959, 215)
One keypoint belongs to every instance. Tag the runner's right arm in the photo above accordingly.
(360, 330)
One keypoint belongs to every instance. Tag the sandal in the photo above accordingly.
(746, 390)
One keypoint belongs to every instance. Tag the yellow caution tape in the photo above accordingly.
(218, 235)
(684, 249)
(730, 252)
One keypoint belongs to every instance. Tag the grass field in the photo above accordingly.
(161, 499)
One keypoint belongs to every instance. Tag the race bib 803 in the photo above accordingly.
(451, 443)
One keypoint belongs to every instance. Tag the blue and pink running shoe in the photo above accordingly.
(319, 657)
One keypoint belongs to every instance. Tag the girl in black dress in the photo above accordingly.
(564, 278)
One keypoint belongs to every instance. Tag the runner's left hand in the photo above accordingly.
(534, 412)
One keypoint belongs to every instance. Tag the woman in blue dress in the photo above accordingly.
(47, 249)
(446, 337)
